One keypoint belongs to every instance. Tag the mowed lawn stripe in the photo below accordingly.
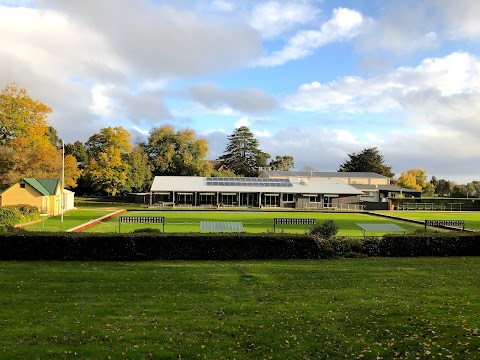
(471, 218)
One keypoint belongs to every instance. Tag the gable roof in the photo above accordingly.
(43, 186)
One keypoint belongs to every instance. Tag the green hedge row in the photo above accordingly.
(131, 247)
(11, 215)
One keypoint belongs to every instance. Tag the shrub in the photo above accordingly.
(371, 246)
(147, 231)
(325, 230)
(27, 212)
(9, 217)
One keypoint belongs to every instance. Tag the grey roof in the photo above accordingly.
(391, 188)
(299, 186)
(323, 174)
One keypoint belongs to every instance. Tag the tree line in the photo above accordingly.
(370, 160)
(109, 162)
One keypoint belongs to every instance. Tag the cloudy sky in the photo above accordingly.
(313, 79)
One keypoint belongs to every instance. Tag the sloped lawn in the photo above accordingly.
(374, 308)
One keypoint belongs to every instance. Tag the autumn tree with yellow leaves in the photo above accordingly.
(107, 169)
(416, 179)
(26, 149)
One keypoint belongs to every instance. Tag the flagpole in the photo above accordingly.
(63, 179)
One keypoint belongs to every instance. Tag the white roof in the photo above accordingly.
(300, 186)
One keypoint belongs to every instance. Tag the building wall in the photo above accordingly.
(55, 202)
(17, 195)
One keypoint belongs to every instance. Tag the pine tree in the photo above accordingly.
(368, 160)
(242, 155)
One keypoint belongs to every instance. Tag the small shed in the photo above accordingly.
(68, 199)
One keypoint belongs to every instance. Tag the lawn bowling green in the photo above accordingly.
(253, 222)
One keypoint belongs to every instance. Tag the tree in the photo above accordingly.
(225, 173)
(368, 160)
(282, 163)
(416, 179)
(77, 150)
(20, 115)
(444, 187)
(118, 137)
(53, 136)
(242, 155)
(27, 149)
(140, 172)
(178, 153)
(107, 170)
(459, 191)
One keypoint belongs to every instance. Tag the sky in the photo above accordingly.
(313, 79)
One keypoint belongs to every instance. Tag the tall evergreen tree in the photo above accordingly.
(77, 150)
(242, 155)
(368, 160)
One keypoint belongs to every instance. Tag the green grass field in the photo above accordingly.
(253, 222)
(375, 308)
(71, 219)
(471, 218)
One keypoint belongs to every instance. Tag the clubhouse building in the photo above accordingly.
(281, 192)
(375, 187)
(282, 189)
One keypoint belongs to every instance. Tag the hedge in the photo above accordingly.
(224, 246)
(441, 244)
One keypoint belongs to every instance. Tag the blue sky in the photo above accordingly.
(313, 79)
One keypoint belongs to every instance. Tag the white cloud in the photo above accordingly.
(262, 133)
(344, 24)
(101, 102)
(457, 73)
(440, 103)
(243, 121)
(406, 26)
(220, 5)
(273, 18)
(161, 40)
(141, 131)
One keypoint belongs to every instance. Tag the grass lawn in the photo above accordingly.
(377, 308)
(253, 222)
(472, 218)
(71, 219)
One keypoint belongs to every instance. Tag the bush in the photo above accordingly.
(9, 217)
(147, 231)
(325, 230)
(12, 215)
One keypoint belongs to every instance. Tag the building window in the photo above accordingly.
(313, 199)
(288, 197)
